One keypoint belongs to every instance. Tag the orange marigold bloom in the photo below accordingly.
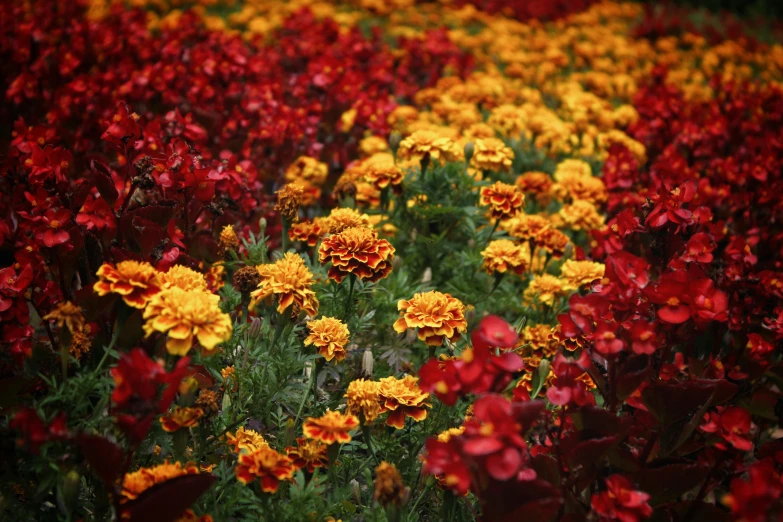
(80, 345)
(136, 282)
(67, 314)
(525, 226)
(331, 427)
(190, 516)
(372, 145)
(388, 486)
(265, 464)
(307, 169)
(184, 278)
(492, 154)
(552, 240)
(289, 200)
(363, 399)
(424, 142)
(402, 398)
(134, 484)
(309, 232)
(576, 187)
(544, 288)
(447, 435)
(581, 215)
(180, 417)
(579, 273)
(307, 454)
(330, 336)
(357, 251)
(245, 440)
(228, 240)
(186, 316)
(537, 338)
(290, 280)
(381, 171)
(340, 219)
(437, 316)
(503, 200)
(503, 255)
(537, 183)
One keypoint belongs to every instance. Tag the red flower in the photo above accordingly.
(753, 500)
(733, 425)
(699, 249)
(621, 502)
(605, 338)
(668, 206)
(123, 128)
(54, 220)
(443, 460)
(643, 337)
(31, 427)
(671, 292)
(567, 387)
(11, 285)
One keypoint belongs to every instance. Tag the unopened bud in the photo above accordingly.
(262, 226)
(254, 329)
(367, 363)
(356, 491)
(469, 149)
(426, 276)
(394, 142)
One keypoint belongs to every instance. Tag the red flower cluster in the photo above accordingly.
(621, 502)
(34, 432)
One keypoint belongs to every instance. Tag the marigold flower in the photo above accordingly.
(184, 278)
(136, 282)
(307, 454)
(388, 487)
(185, 316)
(576, 187)
(215, 277)
(331, 427)
(308, 231)
(67, 314)
(537, 183)
(492, 154)
(402, 398)
(80, 345)
(289, 200)
(134, 484)
(357, 251)
(341, 219)
(228, 240)
(245, 440)
(581, 215)
(552, 240)
(525, 226)
(579, 273)
(381, 171)
(290, 280)
(363, 399)
(208, 401)
(437, 316)
(180, 417)
(503, 255)
(372, 145)
(544, 288)
(447, 435)
(330, 336)
(307, 169)
(265, 464)
(503, 200)
(428, 143)
(190, 516)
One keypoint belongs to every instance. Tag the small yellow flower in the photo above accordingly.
(245, 440)
(307, 169)
(134, 484)
(579, 273)
(581, 215)
(503, 255)
(492, 154)
(340, 219)
(363, 399)
(180, 417)
(525, 226)
(388, 487)
(428, 143)
(448, 434)
(184, 278)
(228, 240)
(289, 280)
(544, 288)
(372, 145)
(437, 316)
(330, 336)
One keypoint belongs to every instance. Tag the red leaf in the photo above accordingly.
(165, 502)
(103, 182)
(105, 457)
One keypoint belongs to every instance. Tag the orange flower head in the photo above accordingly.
(357, 251)
(67, 314)
(372, 145)
(447, 435)
(184, 278)
(245, 440)
(437, 316)
(330, 336)
(289, 200)
(363, 399)
(307, 169)
(340, 219)
(228, 240)
(425, 142)
(331, 427)
(136, 282)
(536, 183)
(544, 288)
(552, 240)
(492, 154)
(186, 316)
(581, 215)
(525, 226)
(265, 464)
(289, 280)
(307, 454)
(503, 200)
(402, 398)
(579, 273)
(134, 484)
(180, 417)
(388, 488)
(80, 345)
(503, 255)
(190, 516)
(381, 171)
(576, 187)
(309, 232)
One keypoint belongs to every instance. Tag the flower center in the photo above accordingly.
(673, 301)
(54, 223)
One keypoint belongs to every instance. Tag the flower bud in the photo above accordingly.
(356, 491)
(367, 363)
(394, 142)
(469, 149)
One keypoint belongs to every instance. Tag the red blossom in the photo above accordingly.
(567, 386)
(733, 424)
(621, 501)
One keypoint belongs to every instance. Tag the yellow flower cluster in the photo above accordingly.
(401, 398)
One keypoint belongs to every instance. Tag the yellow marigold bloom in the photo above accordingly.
(537, 338)
(537, 183)
(215, 277)
(544, 288)
(581, 215)
(289, 280)
(503, 255)
(186, 316)
(363, 399)
(492, 154)
(437, 316)
(180, 417)
(265, 464)
(479, 130)
(134, 484)
(136, 282)
(381, 171)
(67, 314)
(508, 120)
(372, 145)
(289, 200)
(367, 196)
(309, 232)
(340, 219)
(307, 454)
(402, 398)
(428, 143)
(447, 435)
(579, 273)
(307, 169)
(503, 200)
(184, 278)
(227, 373)
(572, 167)
(228, 240)
(552, 240)
(330, 336)
(525, 226)
(331, 427)
(572, 186)
(245, 440)
(388, 487)
(357, 251)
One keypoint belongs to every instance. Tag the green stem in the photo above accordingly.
(310, 385)
(423, 493)
(284, 319)
(494, 228)
(109, 348)
(368, 440)
(350, 296)
(285, 239)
